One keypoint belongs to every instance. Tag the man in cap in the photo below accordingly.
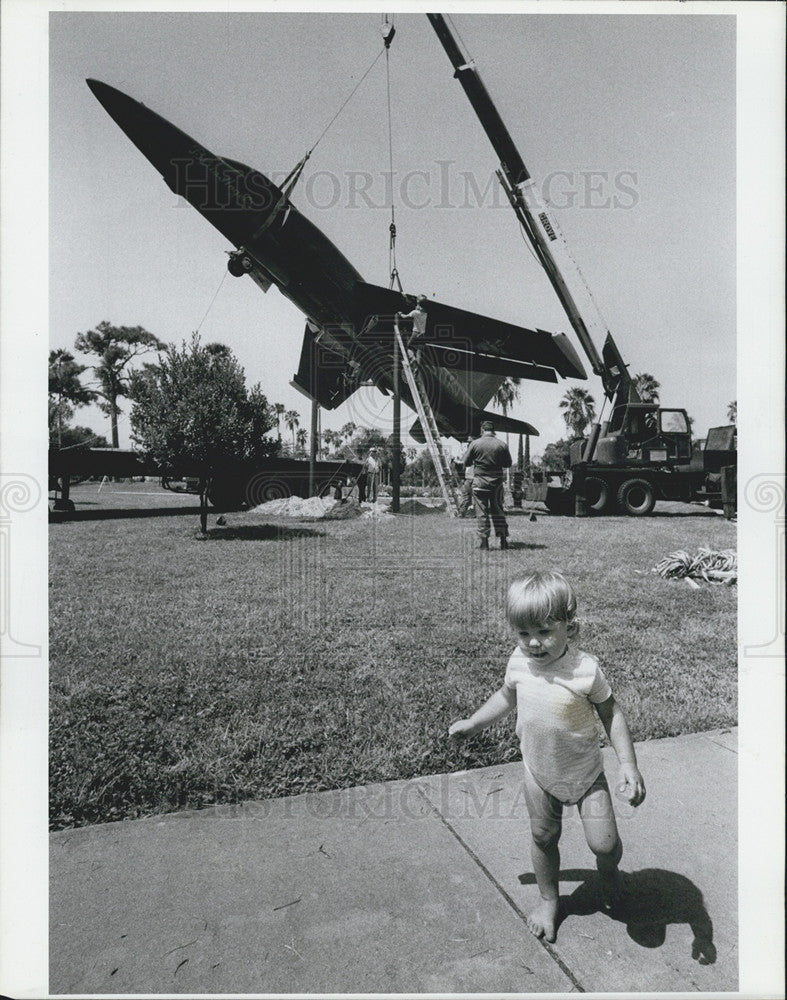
(371, 469)
(489, 458)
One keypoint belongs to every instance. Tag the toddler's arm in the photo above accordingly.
(494, 708)
(614, 722)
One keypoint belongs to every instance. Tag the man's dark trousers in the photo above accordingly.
(488, 502)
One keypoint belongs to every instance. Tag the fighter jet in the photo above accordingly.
(348, 339)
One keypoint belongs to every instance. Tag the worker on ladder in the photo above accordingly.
(418, 319)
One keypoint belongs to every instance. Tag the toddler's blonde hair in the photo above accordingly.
(541, 597)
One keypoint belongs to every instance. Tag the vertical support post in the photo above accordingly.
(313, 446)
(396, 471)
(64, 502)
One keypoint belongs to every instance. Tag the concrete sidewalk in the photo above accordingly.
(406, 887)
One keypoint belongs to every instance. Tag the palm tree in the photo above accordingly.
(301, 437)
(279, 409)
(579, 410)
(65, 390)
(732, 412)
(523, 454)
(647, 387)
(292, 419)
(348, 430)
(332, 439)
(507, 393)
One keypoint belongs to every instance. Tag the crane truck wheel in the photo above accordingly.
(559, 501)
(636, 497)
(597, 494)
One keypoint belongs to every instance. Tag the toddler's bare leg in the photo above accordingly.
(601, 833)
(545, 827)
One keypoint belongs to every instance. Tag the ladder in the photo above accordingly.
(441, 464)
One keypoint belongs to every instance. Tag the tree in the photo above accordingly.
(218, 350)
(348, 430)
(332, 439)
(647, 387)
(116, 347)
(579, 410)
(66, 393)
(732, 412)
(76, 437)
(420, 471)
(507, 392)
(555, 457)
(193, 408)
(371, 437)
(279, 409)
(302, 437)
(292, 419)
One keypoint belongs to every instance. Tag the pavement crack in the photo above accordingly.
(576, 985)
(178, 948)
(284, 906)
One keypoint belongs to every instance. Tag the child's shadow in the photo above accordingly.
(652, 898)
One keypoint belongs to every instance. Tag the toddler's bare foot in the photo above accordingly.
(542, 920)
(611, 887)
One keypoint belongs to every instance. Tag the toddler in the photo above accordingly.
(556, 687)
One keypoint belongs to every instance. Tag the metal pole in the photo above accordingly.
(313, 446)
(397, 433)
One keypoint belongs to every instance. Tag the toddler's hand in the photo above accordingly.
(462, 727)
(632, 784)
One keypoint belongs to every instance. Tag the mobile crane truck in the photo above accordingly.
(643, 452)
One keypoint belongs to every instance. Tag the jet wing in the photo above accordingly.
(536, 354)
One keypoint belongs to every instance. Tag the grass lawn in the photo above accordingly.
(281, 657)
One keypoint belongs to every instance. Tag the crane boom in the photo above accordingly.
(540, 226)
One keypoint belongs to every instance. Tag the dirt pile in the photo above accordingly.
(313, 508)
(422, 507)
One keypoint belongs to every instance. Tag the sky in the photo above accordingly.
(627, 123)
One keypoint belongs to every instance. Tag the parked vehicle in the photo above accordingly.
(232, 487)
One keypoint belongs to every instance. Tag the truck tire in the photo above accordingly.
(225, 494)
(263, 488)
(559, 501)
(597, 494)
(637, 497)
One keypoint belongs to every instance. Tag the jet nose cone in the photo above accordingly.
(162, 143)
(103, 92)
(120, 106)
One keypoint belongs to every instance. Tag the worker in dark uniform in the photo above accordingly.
(489, 458)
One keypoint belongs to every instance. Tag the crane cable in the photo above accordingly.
(344, 105)
(294, 175)
(388, 33)
(215, 296)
